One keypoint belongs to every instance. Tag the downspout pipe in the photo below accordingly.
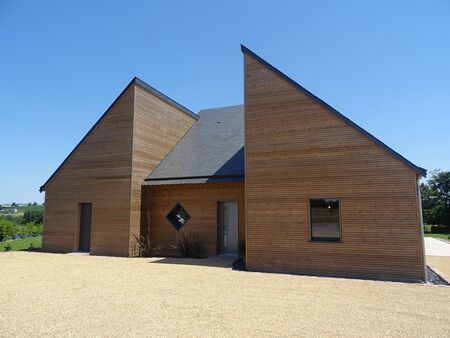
(422, 231)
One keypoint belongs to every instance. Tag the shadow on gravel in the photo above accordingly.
(216, 262)
(434, 279)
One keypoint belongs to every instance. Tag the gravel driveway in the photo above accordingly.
(441, 264)
(69, 296)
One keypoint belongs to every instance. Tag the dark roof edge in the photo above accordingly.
(139, 82)
(417, 169)
(193, 177)
(42, 188)
(165, 98)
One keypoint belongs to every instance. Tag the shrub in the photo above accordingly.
(28, 230)
(34, 216)
(3, 232)
(8, 229)
(33, 229)
(427, 228)
(186, 244)
(8, 247)
(144, 242)
(437, 229)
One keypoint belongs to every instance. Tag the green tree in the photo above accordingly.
(7, 229)
(35, 216)
(436, 198)
(31, 229)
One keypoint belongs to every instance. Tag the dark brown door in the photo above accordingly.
(85, 227)
(228, 228)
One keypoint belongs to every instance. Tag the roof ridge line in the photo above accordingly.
(164, 97)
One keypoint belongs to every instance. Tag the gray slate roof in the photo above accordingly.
(211, 151)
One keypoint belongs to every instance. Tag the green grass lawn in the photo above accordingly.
(22, 244)
(444, 236)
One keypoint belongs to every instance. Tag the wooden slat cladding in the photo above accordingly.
(98, 172)
(107, 169)
(200, 201)
(158, 126)
(296, 150)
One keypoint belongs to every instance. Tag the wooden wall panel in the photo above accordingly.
(200, 201)
(99, 172)
(108, 169)
(158, 126)
(296, 150)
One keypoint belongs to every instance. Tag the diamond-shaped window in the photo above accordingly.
(178, 216)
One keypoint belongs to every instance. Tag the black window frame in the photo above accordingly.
(325, 239)
(170, 217)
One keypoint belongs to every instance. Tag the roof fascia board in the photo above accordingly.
(165, 98)
(193, 177)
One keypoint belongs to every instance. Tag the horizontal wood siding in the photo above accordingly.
(296, 150)
(98, 172)
(158, 126)
(107, 169)
(200, 201)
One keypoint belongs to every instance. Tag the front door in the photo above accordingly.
(85, 227)
(228, 227)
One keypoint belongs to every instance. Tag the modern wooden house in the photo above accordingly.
(285, 178)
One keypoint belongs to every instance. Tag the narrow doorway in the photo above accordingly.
(228, 227)
(85, 227)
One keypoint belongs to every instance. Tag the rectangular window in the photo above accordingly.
(325, 225)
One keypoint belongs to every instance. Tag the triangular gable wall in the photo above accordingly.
(420, 171)
(298, 148)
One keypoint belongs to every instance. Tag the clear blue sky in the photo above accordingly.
(383, 64)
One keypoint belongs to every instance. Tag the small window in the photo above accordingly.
(325, 225)
(178, 216)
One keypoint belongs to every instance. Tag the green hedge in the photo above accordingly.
(11, 230)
